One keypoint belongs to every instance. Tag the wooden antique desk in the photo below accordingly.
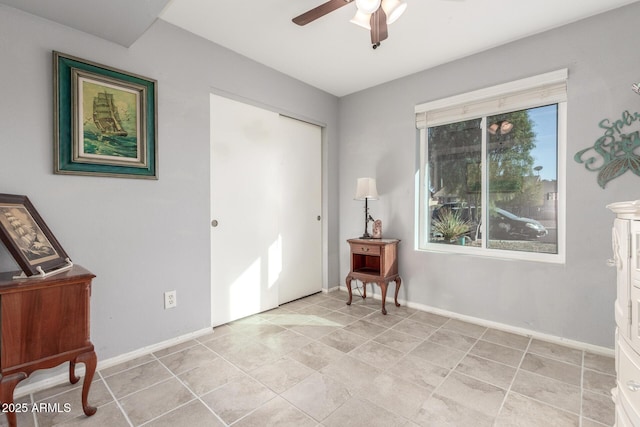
(44, 322)
(374, 261)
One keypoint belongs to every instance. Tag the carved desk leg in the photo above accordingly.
(73, 378)
(7, 386)
(348, 280)
(383, 288)
(90, 361)
(398, 283)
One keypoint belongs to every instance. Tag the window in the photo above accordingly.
(491, 179)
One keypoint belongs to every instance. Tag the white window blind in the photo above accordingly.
(544, 89)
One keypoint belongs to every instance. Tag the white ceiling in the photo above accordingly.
(331, 53)
(336, 55)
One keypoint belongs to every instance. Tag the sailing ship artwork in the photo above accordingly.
(106, 116)
(25, 234)
(109, 123)
(105, 120)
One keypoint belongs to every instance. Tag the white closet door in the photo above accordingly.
(245, 191)
(265, 203)
(301, 209)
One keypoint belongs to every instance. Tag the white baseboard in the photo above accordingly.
(23, 390)
(579, 345)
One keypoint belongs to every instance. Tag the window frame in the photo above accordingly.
(532, 92)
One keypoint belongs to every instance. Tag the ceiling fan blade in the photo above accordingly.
(379, 29)
(320, 11)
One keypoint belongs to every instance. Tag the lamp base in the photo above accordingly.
(366, 236)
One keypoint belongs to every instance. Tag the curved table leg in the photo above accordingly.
(348, 280)
(383, 287)
(364, 290)
(398, 283)
(90, 361)
(73, 378)
(7, 386)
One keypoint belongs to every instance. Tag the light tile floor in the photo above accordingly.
(319, 362)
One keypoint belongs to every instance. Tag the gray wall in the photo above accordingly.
(378, 138)
(140, 237)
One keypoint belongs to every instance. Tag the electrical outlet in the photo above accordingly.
(170, 300)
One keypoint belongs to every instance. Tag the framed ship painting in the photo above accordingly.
(105, 120)
(28, 238)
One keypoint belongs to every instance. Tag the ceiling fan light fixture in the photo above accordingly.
(393, 9)
(368, 6)
(362, 19)
(501, 127)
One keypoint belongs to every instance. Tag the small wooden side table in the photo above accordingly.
(44, 322)
(374, 261)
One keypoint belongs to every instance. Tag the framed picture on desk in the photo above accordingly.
(27, 237)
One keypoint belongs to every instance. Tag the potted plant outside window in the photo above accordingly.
(450, 225)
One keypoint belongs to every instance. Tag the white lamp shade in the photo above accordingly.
(362, 19)
(368, 6)
(393, 9)
(366, 189)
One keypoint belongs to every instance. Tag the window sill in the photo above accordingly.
(456, 249)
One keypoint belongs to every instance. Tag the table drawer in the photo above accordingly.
(359, 248)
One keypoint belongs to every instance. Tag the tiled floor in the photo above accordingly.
(318, 362)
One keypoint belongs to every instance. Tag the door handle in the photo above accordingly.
(214, 223)
(633, 385)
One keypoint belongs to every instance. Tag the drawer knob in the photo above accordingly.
(365, 249)
(633, 385)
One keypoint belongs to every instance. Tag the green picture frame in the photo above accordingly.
(105, 120)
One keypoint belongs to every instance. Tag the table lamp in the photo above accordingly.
(365, 190)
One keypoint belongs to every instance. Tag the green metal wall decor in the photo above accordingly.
(615, 152)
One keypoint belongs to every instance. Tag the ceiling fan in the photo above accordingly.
(373, 15)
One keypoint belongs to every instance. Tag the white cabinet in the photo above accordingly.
(625, 240)
(620, 236)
